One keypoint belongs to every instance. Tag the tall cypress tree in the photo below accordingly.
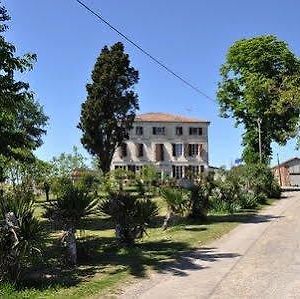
(110, 106)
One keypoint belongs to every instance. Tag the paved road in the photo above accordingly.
(260, 259)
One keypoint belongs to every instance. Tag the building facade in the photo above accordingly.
(288, 173)
(176, 145)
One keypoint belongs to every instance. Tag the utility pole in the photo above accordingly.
(259, 138)
(279, 171)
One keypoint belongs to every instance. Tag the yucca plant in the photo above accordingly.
(176, 201)
(67, 212)
(130, 215)
(200, 193)
(21, 234)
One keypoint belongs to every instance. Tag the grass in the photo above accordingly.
(103, 266)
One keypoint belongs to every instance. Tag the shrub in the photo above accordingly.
(260, 180)
(131, 215)
(21, 234)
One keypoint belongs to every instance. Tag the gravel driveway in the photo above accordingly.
(259, 259)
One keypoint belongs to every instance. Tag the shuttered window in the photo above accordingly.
(195, 131)
(179, 131)
(159, 152)
(139, 131)
(177, 149)
(123, 150)
(140, 150)
(158, 130)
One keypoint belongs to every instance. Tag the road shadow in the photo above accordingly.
(177, 258)
(241, 218)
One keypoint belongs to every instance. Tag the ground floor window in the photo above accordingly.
(120, 167)
(177, 172)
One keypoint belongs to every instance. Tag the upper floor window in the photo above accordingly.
(177, 150)
(158, 130)
(195, 131)
(179, 131)
(139, 131)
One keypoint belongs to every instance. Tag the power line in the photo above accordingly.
(158, 62)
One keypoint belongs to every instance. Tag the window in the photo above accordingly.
(202, 168)
(123, 150)
(177, 150)
(120, 167)
(159, 152)
(131, 168)
(178, 131)
(139, 131)
(177, 172)
(195, 131)
(158, 130)
(193, 170)
(193, 150)
(140, 150)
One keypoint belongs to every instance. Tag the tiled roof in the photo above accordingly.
(166, 117)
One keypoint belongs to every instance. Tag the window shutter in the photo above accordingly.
(200, 149)
(162, 152)
(186, 172)
(157, 152)
(174, 150)
(190, 150)
(185, 149)
(142, 150)
(120, 152)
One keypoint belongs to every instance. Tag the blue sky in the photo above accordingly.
(191, 37)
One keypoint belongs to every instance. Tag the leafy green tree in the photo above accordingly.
(261, 80)
(111, 104)
(22, 120)
(64, 164)
(67, 212)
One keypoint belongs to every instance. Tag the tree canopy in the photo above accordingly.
(22, 120)
(261, 80)
(110, 107)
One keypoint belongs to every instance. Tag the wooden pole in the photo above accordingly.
(279, 172)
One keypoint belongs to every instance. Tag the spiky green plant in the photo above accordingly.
(177, 203)
(67, 212)
(130, 214)
(21, 234)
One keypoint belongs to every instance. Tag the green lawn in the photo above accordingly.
(104, 267)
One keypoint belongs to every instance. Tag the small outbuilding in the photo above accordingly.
(288, 172)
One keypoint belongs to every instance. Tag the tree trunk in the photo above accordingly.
(70, 243)
(167, 221)
(47, 196)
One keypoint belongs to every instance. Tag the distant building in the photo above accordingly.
(288, 172)
(175, 145)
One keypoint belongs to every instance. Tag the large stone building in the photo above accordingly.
(176, 145)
